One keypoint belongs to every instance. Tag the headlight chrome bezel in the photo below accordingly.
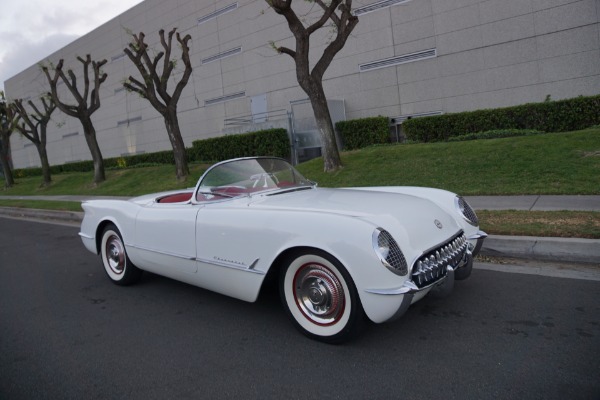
(388, 252)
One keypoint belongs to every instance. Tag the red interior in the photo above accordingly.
(230, 190)
(176, 198)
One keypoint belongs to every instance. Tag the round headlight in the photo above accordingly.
(465, 210)
(388, 252)
(383, 246)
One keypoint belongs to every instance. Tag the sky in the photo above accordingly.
(30, 30)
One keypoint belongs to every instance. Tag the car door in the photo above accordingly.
(228, 249)
(166, 237)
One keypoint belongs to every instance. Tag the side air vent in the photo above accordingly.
(222, 55)
(215, 14)
(403, 59)
(223, 99)
(377, 6)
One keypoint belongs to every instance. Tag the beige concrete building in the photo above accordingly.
(405, 58)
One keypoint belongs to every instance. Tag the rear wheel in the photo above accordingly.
(116, 263)
(320, 297)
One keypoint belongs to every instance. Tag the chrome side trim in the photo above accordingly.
(227, 264)
(166, 253)
(83, 235)
(253, 264)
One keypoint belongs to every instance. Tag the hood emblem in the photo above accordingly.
(438, 224)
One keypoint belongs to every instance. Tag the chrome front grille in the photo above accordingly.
(433, 265)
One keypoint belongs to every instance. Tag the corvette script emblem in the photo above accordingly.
(438, 224)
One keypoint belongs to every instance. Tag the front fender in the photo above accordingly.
(348, 239)
(443, 199)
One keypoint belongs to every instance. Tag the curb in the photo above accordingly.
(543, 248)
(568, 250)
(32, 213)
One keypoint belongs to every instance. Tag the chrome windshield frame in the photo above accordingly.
(267, 191)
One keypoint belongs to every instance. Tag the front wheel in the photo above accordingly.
(116, 263)
(320, 297)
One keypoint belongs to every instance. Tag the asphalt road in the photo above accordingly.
(66, 332)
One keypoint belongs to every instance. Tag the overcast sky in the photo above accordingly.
(30, 30)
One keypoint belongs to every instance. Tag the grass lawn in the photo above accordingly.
(568, 224)
(554, 163)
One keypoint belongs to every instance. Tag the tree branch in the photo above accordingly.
(329, 13)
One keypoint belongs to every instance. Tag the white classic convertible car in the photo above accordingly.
(338, 254)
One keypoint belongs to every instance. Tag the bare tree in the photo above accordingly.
(153, 86)
(338, 14)
(81, 110)
(33, 126)
(8, 120)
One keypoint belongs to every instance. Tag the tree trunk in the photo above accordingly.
(329, 147)
(171, 123)
(8, 178)
(5, 160)
(90, 137)
(47, 179)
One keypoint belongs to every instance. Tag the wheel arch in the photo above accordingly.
(100, 228)
(278, 262)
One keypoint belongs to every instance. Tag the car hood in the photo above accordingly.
(416, 219)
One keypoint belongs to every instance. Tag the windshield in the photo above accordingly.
(251, 175)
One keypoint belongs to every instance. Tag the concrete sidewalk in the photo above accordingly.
(535, 203)
(528, 247)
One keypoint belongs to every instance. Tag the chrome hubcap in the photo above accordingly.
(319, 294)
(115, 254)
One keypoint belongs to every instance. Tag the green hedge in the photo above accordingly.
(359, 133)
(551, 116)
(269, 142)
(160, 157)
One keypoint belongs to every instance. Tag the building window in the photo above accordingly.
(222, 55)
(223, 99)
(377, 6)
(215, 14)
(403, 59)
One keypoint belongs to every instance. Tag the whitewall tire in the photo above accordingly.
(116, 263)
(320, 297)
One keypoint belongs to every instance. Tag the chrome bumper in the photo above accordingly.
(479, 237)
(439, 288)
